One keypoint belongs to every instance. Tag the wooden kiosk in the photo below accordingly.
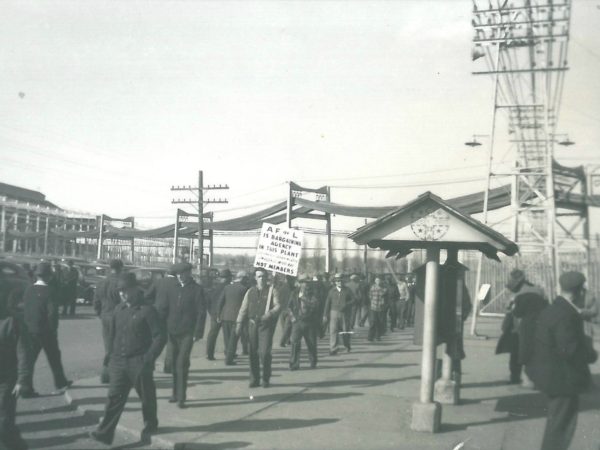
(429, 223)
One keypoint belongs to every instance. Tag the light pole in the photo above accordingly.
(486, 194)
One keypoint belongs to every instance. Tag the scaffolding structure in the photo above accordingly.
(523, 46)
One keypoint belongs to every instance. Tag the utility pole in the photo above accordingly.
(199, 202)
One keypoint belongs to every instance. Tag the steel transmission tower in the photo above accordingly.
(523, 46)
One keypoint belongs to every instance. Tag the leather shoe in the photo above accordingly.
(265, 384)
(181, 404)
(253, 384)
(172, 400)
(100, 437)
(210, 358)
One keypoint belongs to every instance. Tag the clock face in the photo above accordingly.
(432, 226)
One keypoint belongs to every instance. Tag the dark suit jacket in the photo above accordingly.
(185, 310)
(40, 310)
(231, 300)
(559, 363)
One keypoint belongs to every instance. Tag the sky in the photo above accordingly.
(105, 105)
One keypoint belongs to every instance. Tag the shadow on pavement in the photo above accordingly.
(270, 398)
(526, 406)
(219, 446)
(250, 425)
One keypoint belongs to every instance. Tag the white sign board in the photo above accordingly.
(279, 249)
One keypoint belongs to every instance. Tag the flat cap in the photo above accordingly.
(338, 276)
(43, 269)
(303, 278)
(182, 267)
(571, 281)
(354, 276)
(116, 264)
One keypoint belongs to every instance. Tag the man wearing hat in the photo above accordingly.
(214, 294)
(230, 302)
(354, 286)
(164, 288)
(136, 339)
(185, 314)
(527, 303)
(40, 315)
(106, 298)
(559, 364)
(337, 311)
(261, 308)
(303, 304)
(285, 288)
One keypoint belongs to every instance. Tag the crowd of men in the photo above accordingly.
(137, 324)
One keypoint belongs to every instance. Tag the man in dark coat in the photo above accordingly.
(70, 281)
(214, 295)
(40, 315)
(13, 370)
(261, 308)
(135, 340)
(338, 310)
(230, 302)
(185, 313)
(559, 364)
(164, 287)
(303, 304)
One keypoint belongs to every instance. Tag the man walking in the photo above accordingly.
(70, 281)
(136, 339)
(186, 314)
(230, 303)
(40, 314)
(164, 287)
(338, 308)
(377, 297)
(261, 308)
(354, 286)
(284, 291)
(559, 365)
(214, 294)
(303, 304)
(106, 298)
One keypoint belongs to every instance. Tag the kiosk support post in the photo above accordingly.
(427, 414)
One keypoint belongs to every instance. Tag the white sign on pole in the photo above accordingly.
(279, 249)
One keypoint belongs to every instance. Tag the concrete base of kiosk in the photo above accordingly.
(447, 392)
(426, 417)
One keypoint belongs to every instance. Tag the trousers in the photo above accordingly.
(10, 436)
(561, 422)
(303, 329)
(124, 374)
(376, 320)
(106, 319)
(338, 322)
(286, 328)
(211, 339)
(231, 340)
(181, 346)
(260, 346)
(49, 343)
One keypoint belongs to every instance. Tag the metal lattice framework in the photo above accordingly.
(523, 45)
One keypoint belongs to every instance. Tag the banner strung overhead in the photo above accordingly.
(279, 249)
